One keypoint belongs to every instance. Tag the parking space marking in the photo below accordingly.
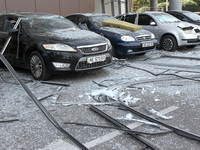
(59, 145)
(113, 134)
(62, 145)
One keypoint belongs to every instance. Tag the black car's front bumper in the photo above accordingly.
(66, 61)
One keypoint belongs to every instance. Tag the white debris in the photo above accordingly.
(113, 94)
(156, 100)
(129, 116)
(129, 99)
(177, 92)
(80, 96)
(154, 90)
(154, 112)
(81, 104)
(141, 121)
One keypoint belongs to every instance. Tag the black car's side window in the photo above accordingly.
(9, 24)
(145, 20)
(130, 18)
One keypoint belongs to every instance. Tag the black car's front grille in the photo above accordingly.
(90, 49)
(141, 38)
(83, 65)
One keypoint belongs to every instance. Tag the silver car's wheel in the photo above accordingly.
(37, 67)
(169, 43)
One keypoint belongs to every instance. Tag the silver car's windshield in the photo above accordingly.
(193, 16)
(98, 19)
(166, 18)
(46, 23)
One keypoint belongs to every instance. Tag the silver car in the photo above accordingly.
(170, 32)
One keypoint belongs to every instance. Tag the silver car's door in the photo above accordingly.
(148, 23)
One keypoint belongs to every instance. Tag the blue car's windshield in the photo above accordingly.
(191, 15)
(98, 19)
(166, 18)
(46, 23)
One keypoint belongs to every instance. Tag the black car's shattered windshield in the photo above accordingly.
(46, 23)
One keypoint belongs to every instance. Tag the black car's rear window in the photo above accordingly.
(46, 23)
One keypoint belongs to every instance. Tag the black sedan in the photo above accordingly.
(186, 16)
(47, 44)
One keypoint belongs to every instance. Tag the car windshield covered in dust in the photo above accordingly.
(47, 24)
(163, 18)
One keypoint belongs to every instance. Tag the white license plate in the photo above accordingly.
(95, 59)
(147, 44)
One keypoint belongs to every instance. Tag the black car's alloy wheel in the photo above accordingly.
(169, 43)
(37, 67)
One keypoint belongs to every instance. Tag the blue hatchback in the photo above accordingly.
(124, 42)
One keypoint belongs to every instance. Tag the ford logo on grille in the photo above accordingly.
(95, 49)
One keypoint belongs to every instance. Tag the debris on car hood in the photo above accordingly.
(72, 34)
(121, 24)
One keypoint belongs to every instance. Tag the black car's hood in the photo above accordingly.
(72, 36)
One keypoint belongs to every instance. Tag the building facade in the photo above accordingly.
(60, 7)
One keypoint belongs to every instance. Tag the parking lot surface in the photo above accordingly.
(154, 82)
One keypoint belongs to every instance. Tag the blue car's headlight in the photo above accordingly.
(59, 47)
(127, 39)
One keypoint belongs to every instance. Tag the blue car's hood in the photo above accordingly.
(121, 32)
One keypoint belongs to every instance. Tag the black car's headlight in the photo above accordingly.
(59, 47)
(127, 38)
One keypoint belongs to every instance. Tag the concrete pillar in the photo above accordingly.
(175, 5)
(153, 5)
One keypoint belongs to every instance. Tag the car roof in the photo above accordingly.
(26, 14)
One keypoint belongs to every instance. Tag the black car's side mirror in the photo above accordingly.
(13, 32)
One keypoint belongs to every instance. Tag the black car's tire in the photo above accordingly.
(191, 46)
(37, 67)
(169, 43)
